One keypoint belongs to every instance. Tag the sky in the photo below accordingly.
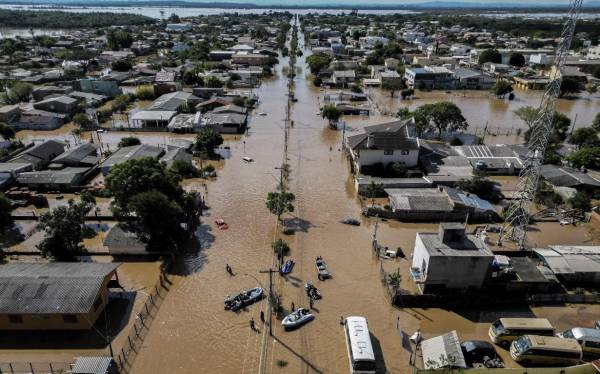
(386, 2)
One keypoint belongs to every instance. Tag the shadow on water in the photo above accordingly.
(379, 359)
(297, 224)
(302, 358)
(117, 314)
(193, 257)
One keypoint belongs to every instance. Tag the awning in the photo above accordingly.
(443, 351)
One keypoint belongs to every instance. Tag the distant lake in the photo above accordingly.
(535, 15)
(154, 12)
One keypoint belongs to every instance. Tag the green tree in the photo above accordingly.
(480, 186)
(581, 200)
(588, 158)
(318, 62)
(121, 65)
(213, 82)
(441, 116)
(64, 229)
(6, 131)
(393, 86)
(570, 86)
(560, 127)
(82, 120)
(591, 88)
(490, 55)
(281, 248)
(585, 136)
(159, 220)
(191, 77)
(206, 142)
(185, 169)
(20, 91)
(374, 190)
(331, 113)
(135, 176)
(145, 92)
(129, 141)
(280, 203)
(527, 114)
(118, 39)
(517, 59)
(501, 88)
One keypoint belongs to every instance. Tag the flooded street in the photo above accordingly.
(192, 333)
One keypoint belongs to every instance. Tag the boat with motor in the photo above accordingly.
(322, 269)
(312, 292)
(288, 267)
(243, 299)
(297, 319)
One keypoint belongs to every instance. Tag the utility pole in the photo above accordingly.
(270, 271)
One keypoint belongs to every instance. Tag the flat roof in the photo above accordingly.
(446, 345)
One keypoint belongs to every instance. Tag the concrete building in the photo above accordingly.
(469, 79)
(83, 155)
(450, 259)
(430, 77)
(342, 78)
(392, 142)
(491, 159)
(10, 113)
(151, 119)
(108, 88)
(67, 179)
(53, 296)
(60, 104)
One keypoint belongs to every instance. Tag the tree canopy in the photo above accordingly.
(588, 158)
(279, 203)
(6, 131)
(441, 116)
(206, 142)
(584, 137)
(517, 59)
(129, 141)
(570, 86)
(64, 228)
(490, 55)
(6, 208)
(317, 62)
(332, 113)
(502, 87)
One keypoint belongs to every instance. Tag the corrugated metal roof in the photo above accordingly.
(46, 288)
(92, 365)
(443, 351)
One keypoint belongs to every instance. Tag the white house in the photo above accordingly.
(369, 42)
(450, 259)
(392, 142)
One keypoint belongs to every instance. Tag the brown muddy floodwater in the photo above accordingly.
(193, 334)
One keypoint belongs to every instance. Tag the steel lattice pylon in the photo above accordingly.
(517, 217)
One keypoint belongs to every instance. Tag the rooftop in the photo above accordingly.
(48, 288)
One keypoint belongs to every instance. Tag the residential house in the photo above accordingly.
(41, 154)
(10, 113)
(389, 77)
(450, 259)
(178, 27)
(369, 42)
(83, 155)
(174, 101)
(121, 239)
(67, 179)
(176, 154)
(129, 153)
(392, 142)
(53, 295)
(183, 123)
(40, 93)
(469, 79)
(59, 104)
(250, 59)
(437, 204)
(429, 77)
(226, 123)
(150, 119)
(107, 88)
(39, 120)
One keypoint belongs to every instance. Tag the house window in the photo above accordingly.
(405, 152)
(388, 152)
(69, 318)
(15, 318)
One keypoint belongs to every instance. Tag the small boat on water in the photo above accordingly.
(312, 292)
(243, 299)
(297, 319)
(221, 224)
(351, 222)
(288, 267)
(322, 269)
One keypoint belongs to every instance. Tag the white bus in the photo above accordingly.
(360, 349)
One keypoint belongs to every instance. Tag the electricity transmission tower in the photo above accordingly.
(517, 217)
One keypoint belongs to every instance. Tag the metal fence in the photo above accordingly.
(143, 320)
(34, 367)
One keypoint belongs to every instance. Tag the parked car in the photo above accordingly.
(480, 353)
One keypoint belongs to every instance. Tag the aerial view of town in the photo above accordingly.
(268, 187)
